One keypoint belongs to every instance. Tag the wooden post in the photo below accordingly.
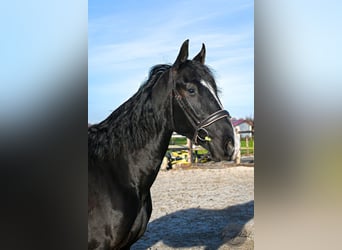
(247, 149)
(189, 145)
(237, 145)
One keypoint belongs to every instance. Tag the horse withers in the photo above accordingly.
(126, 149)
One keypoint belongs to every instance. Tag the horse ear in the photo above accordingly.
(183, 54)
(200, 57)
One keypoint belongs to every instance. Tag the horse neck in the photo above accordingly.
(136, 134)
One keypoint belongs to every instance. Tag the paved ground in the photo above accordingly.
(209, 207)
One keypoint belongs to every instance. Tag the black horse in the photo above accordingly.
(126, 149)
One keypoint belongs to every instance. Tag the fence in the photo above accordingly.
(190, 147)
(248, 149)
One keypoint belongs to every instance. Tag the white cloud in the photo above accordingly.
(123, 47)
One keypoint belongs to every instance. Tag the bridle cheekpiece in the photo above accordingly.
(201, 133)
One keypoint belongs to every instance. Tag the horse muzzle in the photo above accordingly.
(229, 149)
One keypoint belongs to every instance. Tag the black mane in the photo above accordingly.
(134, 120)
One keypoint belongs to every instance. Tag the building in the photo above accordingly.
(244, 126)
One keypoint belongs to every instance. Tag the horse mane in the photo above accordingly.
(129, 125)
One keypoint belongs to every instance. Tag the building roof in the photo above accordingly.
(237, 122)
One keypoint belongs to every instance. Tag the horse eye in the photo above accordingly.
(191, 91)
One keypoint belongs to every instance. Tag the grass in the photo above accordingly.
(250, 146)
(178, 141)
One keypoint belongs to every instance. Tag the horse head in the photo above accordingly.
(196, 109)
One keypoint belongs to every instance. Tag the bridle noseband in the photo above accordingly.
(207, 122)
(200, 132)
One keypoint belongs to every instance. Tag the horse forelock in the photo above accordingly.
(205, 73)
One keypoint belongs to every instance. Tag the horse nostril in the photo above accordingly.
(230, 147)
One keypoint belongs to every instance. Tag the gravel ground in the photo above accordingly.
(208, 207)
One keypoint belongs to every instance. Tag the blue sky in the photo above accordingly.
(126, 38)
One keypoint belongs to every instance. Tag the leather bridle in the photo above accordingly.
(201, 132)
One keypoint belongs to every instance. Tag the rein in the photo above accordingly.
(199, 125)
